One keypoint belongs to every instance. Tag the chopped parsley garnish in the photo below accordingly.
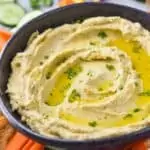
(100, 89)
(136, 46)
(110, 67)
(41, 63)
(46, 57)
(18, 64)
(48, 75)
(74, 96)
(51, 94)
(121, 55)
(102, 34)
(90, 74)
(60, 61)
(145, 93)
(120, 87)
(136, 84)
(108, 58)
(136, 50)
(137, 110)
(138, 75)
(128, 116)
(65, 87)
(133, 67)
(92, 123)
(72, 72)
(92, 43)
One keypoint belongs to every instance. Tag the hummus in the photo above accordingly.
(84, 80)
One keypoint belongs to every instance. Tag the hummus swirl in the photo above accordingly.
(84, 80)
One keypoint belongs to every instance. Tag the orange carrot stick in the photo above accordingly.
(65, 2)
(140, 145)
(37, 146)
(5, 34)
(17, 142)
(28, 145)
(4, 37)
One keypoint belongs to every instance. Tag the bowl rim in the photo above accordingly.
(142, 133)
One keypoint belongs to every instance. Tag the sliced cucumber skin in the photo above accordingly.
(7, 1)
(11, 14)
(29, 16)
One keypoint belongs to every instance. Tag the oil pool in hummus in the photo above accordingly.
(84, 80)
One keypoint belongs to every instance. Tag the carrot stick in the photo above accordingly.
(140, 145)
(5, 34)
(2, 43)
(28, 145)
(37, 146)
(65, 2)
(17, 142)
(4, 37)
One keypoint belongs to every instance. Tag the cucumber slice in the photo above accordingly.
(10, 14)
(6, 1)
(29, 16)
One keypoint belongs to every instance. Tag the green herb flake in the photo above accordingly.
(133, 66)
(136, 84)
(121, 55)
(62, 60)
(92, 123)
(136, 110)
(138, 75)
(128, 116)
(100, 89)
(110, 67)
(18, 65)
(48, 75)
(136, 48)
(102, 34)
(92, 43)
(145, 93)
(65, 87)
(41, 63)
(121, 87)
(51, 94)
(90, 74)
(72, 72)
(46, 57)
(109, 58)
(74, 96)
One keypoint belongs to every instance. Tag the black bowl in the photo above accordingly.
(55, 18)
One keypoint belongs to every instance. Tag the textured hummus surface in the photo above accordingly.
(84, 80)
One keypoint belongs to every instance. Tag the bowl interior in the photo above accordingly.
(55, 18)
